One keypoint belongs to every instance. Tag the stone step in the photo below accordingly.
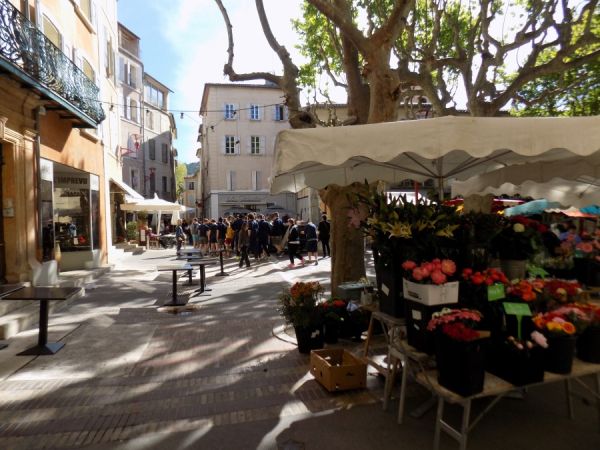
(28, 316)
(81, 278)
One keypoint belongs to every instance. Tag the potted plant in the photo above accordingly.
(427, 288)
(475, 235)
(334, 314)
(299, 306)
(587, 259)
(561, 327)
(475, 292)
(518, 241)
(400, 230)
(459, 350)
(518, 361)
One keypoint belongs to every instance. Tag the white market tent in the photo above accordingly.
(441, 148)
(155, 204)
(572, 182)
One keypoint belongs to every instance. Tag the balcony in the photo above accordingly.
(30, 58)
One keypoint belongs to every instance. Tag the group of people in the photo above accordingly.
(257, 235)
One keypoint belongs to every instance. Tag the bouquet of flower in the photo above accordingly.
(334, 309)
(519, 239)
(458, 324)
(436, 271)
(299, 305)
(592, 311)
(485, 277)
(563, 291)
(563, 321)
(526, 290)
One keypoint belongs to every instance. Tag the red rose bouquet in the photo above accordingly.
(457, 324)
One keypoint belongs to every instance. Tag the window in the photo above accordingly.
(164, 184)
(109, 63)
(152, 182)
(133, 180)
(230, 180)
(132, 76)
(190, 186)
(230, 111)
(152, 149)
(255, 180)
(230, 145)
(133, 110)
(165, 153)
(255, 145)
(153, 96)
(150, 119)
(279, 113)
(254, 112)
(125, 107)
(52, 32)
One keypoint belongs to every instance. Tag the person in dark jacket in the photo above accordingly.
(324, 229)
(294, 243)
(243, 243)
(264, 231)
(310, 231)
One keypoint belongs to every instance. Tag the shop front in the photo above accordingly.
(70, 213)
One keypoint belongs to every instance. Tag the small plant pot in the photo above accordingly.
(460, 365)
(309, 338)
(559, 354)
(588, 345)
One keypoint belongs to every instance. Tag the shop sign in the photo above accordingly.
(69, 181)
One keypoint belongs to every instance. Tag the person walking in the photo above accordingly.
(253, 228)
(264, 231)
(194, 229)
(324, 234)
(179, 235)
(310, 231)
(293, 243)
(243, 244)
(277, 232)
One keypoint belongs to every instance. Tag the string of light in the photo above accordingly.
(177, 111)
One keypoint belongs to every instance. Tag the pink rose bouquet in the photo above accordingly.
(437, 271)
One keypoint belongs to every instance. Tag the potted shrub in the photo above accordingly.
(459, 350)
(299, 306)
(334, 314)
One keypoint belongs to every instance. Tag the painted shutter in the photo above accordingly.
(225, 111)
(249, 111)
(223, 144)
(236, 108)
(259, 112)
(254, 179)
(249, 145)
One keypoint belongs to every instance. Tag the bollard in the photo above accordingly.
(223, 273)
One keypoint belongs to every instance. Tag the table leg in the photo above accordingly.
(438, 423)
(190, 276)
(43, 328)
(368, 339)
(598, 399)
(405, 371)
(464, 428)
(569, 399)
(43, 347)
(202, 278)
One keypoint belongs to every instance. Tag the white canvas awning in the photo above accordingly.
(131, 195)
(573, 181)
(441, 148)
(152, 204)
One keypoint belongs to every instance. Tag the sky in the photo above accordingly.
(184, 45)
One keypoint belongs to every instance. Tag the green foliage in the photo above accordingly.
(132, 230)
(180, 174)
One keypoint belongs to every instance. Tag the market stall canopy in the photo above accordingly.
(439, 148)
(573, 181)
(531, 208)
(152, 204)
(571, 212)
(592, 209)
(131, 195)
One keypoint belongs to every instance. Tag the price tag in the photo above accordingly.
(495, 292)
(517, 309)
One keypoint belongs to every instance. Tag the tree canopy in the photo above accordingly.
(486, 52)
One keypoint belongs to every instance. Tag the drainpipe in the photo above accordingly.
(39, 111)
(2, 246)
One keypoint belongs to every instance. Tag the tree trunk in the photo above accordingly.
(347, 242)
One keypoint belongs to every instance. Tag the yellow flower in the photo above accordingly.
(448, 231)
(401, 230)
(518, 227)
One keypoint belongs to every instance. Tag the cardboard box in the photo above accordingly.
(431, 294)
(338, 369)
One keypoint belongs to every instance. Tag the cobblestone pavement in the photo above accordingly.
(223, 375)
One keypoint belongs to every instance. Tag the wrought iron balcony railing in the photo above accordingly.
(27, 54)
